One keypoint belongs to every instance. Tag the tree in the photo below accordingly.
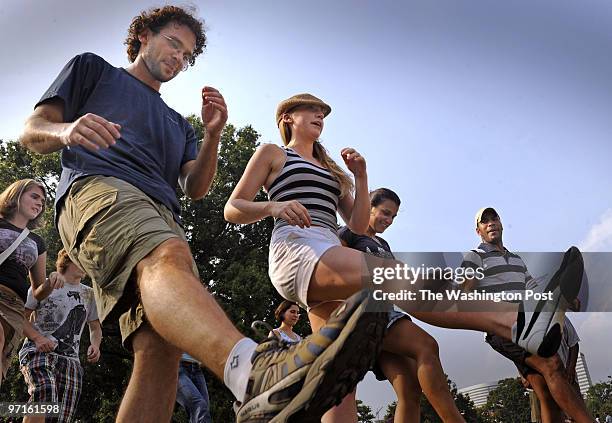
(390, 413)
(364, 413)
(508, 403)
(599, 398)
(463, 403)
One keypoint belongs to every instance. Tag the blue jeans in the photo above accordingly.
(192, 393)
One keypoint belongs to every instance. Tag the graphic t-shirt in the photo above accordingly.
(61, 317)
(15, 269)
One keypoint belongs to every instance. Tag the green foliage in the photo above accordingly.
(390, 413)
(463, 403)
(232, 261)
(364, 413)
(599, 398)
(508, 402)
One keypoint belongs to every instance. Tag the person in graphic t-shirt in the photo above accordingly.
(49, 357)
(22, 205)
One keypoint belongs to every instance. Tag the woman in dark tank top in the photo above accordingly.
(402, 371)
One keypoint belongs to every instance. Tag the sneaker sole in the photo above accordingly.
(335, 373)
(569, 290)
(569, 287)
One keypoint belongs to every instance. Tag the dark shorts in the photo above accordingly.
(511, 351)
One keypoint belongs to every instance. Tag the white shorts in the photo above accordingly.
(294, 253)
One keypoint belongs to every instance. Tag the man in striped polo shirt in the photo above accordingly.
(506, 271)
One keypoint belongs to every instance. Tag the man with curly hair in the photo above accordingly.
(123, 150)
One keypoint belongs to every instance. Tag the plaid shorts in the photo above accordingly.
(53, 378)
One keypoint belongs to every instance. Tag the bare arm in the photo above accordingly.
(197, 175)
(469, 285)
(240, 208)
(41, 287)
(46, 132)
(95, 338)
(356, 211)
(43, 344)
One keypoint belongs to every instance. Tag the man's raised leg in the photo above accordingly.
(187, 317)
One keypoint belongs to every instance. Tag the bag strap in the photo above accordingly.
(4, 255)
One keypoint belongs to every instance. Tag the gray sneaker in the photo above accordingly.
(300, 382)
(539, 325)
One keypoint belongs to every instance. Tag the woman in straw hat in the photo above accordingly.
(308, 264)
(22, 205)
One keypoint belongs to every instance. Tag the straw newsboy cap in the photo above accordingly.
(300, 100)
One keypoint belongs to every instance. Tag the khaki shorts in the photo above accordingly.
(107, 226)
(11, 319)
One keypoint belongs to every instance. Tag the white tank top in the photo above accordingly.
(286, 337)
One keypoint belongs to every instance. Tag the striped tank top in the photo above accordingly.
(313, 186)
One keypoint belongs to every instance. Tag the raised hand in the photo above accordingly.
(92, 132)
(214, 111)
(354, 161)
(56, 280)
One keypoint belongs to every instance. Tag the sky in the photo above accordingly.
(454, 104)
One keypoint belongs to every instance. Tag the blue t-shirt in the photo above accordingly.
(155, 140)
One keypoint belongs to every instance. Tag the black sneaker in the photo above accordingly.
(539, 325)
(300, 382)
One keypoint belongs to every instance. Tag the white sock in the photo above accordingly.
(238, 367)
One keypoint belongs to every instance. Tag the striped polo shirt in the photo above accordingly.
(503, 270)
(313, 186)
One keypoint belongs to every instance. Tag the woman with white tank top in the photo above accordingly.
(288, 314)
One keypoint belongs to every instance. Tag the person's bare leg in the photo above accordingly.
(346, 411)
(182, 316)
(181, 310)
(339, 274)
(549, 410)
(151, 391)
(407, 339)
(402, 374)
(561, 390)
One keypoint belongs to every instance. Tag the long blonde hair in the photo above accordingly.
(320, 153)
(11, 197)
